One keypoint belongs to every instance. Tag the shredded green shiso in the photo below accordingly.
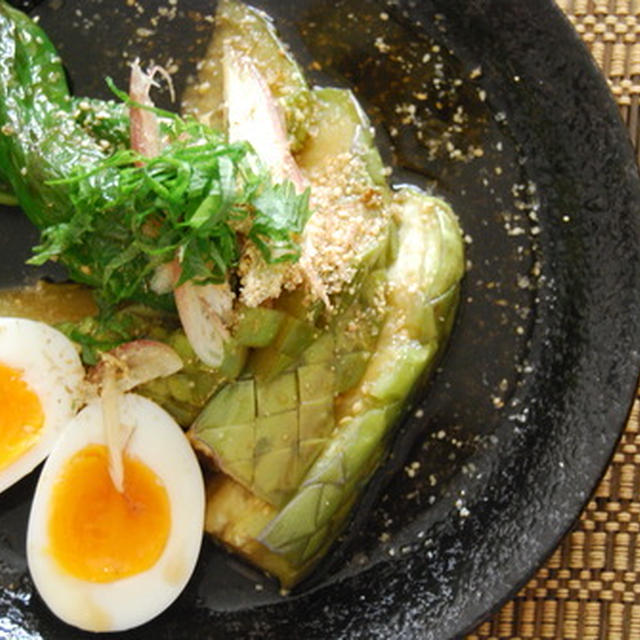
(194, 201)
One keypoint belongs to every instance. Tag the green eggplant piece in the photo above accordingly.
(340, 126)
(428, 267)
(421, 283)
(288, 419)
(293, 337)
(257, 326)
(265, 433)
(250, 32)
(183, 394)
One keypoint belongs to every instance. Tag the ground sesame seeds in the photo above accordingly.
(144, 32)
(412, 469)
(349, 216)
(381, 45)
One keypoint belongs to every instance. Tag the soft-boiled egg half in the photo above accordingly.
(41, 380)
(104, 559)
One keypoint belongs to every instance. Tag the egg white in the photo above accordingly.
(159, 443)
(52, 369)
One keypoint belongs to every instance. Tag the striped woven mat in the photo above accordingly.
(590, 588)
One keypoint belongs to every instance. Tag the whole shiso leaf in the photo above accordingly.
(39, 138)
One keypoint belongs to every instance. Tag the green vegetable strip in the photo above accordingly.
(421, 298)
(431, 259)
(266, 432)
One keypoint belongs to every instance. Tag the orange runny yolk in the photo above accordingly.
(99, 534)
(21, 416)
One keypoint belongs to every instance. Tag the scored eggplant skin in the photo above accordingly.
(420, 303)
(265, 432)
(421, 300)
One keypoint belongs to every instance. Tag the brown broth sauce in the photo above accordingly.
(48, 302)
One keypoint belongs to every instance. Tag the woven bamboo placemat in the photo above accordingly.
(590, 588)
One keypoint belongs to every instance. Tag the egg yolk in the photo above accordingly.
(99, 534)
(21, 416)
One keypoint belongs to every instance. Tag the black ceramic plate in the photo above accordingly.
(497, 106)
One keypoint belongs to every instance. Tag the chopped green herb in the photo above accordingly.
(196, 200)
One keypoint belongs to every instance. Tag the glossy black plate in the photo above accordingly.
(496, 105)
